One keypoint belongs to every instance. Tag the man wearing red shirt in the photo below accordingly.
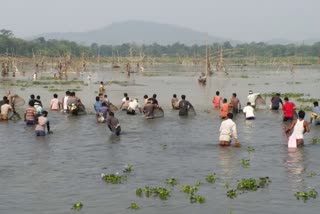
(288, 109)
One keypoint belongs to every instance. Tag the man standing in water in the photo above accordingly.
(184, 106)
(30, 114)
(252, 98)
(133, 106)
(65, 101)
(228, 129)
(216, 100)
(248, 112)
(5, 109)
(288, 109)
(42, 123)
(224, 109)
(149, 108)
(113, 124)
(315, 114)
(235, 103)
(275, 102)
(102, 88)
(174, 102)
(299, 127)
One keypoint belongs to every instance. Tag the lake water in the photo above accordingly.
(49, 174)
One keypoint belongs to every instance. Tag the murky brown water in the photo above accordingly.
(48, 175)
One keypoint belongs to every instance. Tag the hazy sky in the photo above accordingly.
(244, 20)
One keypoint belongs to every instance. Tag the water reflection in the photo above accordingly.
(226, 155)
(295, 165)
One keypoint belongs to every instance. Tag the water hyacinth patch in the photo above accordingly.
(139, 192)
(250, 149)
(113, 178)
(77, 206)
(172, 181)
(128, 168)
(252, 184)
(161, 192)
(164, 146)
(232, 193)
(134, 206)
(245, 163)
(315, 140)
(197, 198)
(211, 178)
(189, 189)
(311, 174)
(306, 195)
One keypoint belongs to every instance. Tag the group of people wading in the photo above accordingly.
(295, 131)
(35, 115)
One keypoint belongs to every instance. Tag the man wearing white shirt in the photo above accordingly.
(248, 111)
(125, 95)
(133, 105)
(252, 98)
(228, 129)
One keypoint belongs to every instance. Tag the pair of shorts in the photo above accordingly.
(225, 138)
(30, 122)
(250, 118)
(40, 133)
(4, 117)
(275, 108)
(287, 118)
(132, 112)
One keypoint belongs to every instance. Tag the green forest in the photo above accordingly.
(12, 46)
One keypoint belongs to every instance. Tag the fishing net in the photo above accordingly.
(260, 102)
(191, 111)
(14, 116)
(113, 108)
(17, 101)
(158, 113)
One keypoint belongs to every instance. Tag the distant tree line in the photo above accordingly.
(12, 46)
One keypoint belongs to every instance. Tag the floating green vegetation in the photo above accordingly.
(164, 146)
(134, 206)
(306, 195)
(294, 95)
(266, 83)
(315, 140)
(161, 192)
(150, 74)
(46, 78)
(77, 206)
(72, 82)
(226, 185)
(305, 108)
(307, 100)
(114, 178)
(211, 178)
(55, 89)
(311, 174)
(139, 192)
(172, 181)
(244, 76)
(245, 163)
(232, 193)
(189, 189)
(291, 83)
(250, 149)
(251, 84)
(197, 198)
(252, 184)
(128, 168)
